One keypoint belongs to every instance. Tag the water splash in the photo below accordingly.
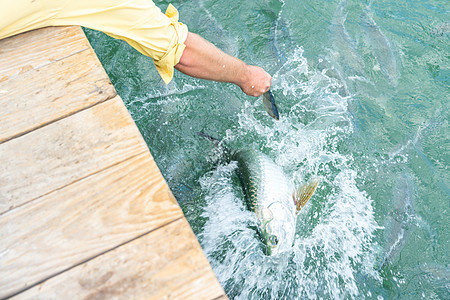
(389, 135)
(335, 231)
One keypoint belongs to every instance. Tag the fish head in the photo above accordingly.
(278, 228)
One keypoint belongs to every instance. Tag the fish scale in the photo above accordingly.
(269, 194)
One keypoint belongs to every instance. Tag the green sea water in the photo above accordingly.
(363, 92)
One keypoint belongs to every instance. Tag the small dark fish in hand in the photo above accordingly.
(270, 106)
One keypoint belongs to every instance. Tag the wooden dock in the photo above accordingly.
(84, 210)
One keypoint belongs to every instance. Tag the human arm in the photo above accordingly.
(201, 59)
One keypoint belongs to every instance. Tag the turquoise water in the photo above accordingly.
(363, 93)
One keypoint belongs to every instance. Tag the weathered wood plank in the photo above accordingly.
(65, 151)
(31, 99)
(165, 264)
(72, 225)
(37, 48)
(43, 95)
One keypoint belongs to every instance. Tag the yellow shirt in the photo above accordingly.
(138, 22)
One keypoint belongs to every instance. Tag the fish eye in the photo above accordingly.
(273, 240)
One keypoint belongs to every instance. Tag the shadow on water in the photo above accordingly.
(400, 220)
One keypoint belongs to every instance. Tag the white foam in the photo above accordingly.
(335, 230)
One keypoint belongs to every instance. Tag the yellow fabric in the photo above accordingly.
(138, 22)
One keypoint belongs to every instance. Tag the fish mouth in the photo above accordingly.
(273, 251)
(280, 248)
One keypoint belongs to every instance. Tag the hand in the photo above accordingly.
(201, 59)
(256, 82)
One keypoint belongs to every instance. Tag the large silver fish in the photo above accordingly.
(272, 197)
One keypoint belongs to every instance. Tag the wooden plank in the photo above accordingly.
(37, 48)
(65, 151)
(72, 225)
(165, 264)
(42, 95)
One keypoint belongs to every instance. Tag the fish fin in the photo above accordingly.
(270, 106)
(304, 193)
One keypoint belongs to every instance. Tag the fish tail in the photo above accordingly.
(304, 193)
(270, 106)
